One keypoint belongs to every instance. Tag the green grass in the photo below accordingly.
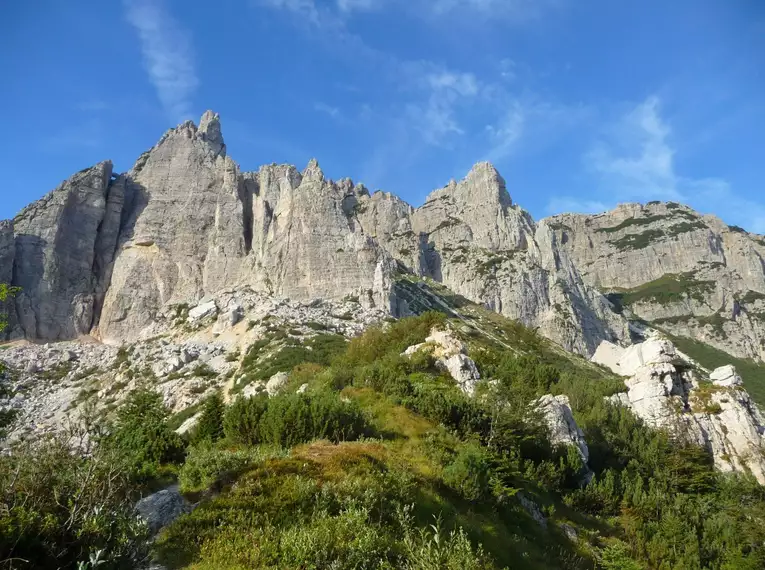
(631, 222)
(665, 290)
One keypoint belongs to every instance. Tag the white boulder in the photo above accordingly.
(276, 383)
(726, 376)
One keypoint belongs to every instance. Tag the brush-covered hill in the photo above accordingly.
(314, 438)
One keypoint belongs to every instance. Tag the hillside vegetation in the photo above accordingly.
(384, 463)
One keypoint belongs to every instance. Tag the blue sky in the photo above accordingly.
(580, 104)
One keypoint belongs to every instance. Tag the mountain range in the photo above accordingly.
(105, 253)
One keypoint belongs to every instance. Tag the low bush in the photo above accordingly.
(289, 419)
(209, 428)
(59, 508)
(206, 465)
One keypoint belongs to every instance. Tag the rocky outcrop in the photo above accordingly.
(55, 252)
(556, 411)
(665, 392)
(306, 242)
(450, 355)
(689, 274)
(7, 254)
(182, 229)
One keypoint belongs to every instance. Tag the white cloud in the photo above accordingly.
(505, 135)
(304, 8)
(464, 84)
(638, 158)
(358, 5)
(167, 53)
(445, 91)
(637, 162)
(519, 11)
(333, 112)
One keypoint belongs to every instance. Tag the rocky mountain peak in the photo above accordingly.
(483, 185)
(209, 128)
(313, 172)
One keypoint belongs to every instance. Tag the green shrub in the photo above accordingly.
(470, 471)
(141, 433)
(206, 465)
(58, 508)
(296, 418)
(241, 422)
(289, 419)
(210, 425)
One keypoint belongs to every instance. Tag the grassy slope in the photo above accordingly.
(261, 516)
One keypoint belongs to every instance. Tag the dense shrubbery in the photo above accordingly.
(142, 436)
(289, 419)
(293, 487)
(209, 428)
(58, 509)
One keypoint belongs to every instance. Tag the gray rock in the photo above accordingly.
(254, 389)
(719, 415)
(202, 311)
(726, 376)
(562, 425)
(720, 267)
(276, 383)
(55, 241)
(162, 508)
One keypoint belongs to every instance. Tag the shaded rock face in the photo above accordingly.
(184, 223)
(62, 243)
(7, 254)
(712, 275)
(665, 393)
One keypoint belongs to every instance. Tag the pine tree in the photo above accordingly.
(210, 425)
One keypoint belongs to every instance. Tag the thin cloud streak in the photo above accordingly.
(637, 164)
(167, 53)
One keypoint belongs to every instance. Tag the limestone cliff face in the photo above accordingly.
(107, 256)
(54, 262)
(691, 275)
(182, 228)
(306, 241)
(472, 238)
(7, 254)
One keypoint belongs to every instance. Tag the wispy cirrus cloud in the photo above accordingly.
(635, 161)
(636, 156)
(359, 5)
(333, 112)
(167, 53)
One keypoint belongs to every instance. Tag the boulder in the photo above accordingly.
(162, 508)
(463, 370)
(202, 311)
(254, 389)
(726, 376)
(563, 429)
(276, 383)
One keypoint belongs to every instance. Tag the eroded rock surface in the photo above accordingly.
(690, 274)
(665, 392)
(108, 255)
(450, 355)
